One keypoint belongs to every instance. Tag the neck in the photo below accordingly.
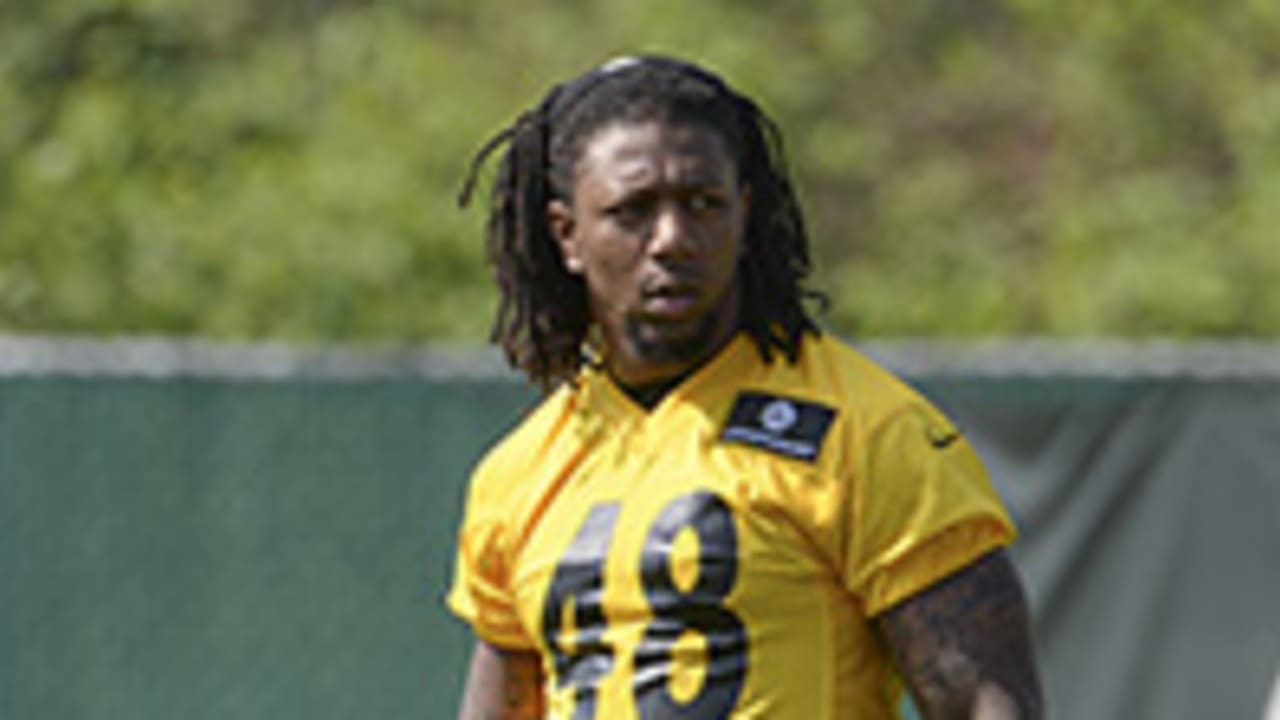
(648, 383)
(650, 394)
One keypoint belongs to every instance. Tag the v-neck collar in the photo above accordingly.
(602, 394)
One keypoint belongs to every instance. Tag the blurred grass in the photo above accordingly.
(287, 170)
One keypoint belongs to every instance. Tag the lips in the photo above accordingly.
(670, 298)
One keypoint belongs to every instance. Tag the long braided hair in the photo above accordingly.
(543, 316)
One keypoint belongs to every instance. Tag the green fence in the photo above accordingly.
(229, 549)
(205, 544)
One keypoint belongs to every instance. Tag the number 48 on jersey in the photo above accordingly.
(582, 655)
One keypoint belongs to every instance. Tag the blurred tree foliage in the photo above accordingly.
(287, 169)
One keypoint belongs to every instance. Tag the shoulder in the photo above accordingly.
(918, 502)
(843, 406)
(864, 394)
(501, 477)
(882, 419)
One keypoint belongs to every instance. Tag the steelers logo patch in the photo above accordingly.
(778, 416)
(785, 426)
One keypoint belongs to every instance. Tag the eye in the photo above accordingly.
(630, 212)
(704, 201)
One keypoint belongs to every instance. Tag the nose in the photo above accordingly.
(672, 234)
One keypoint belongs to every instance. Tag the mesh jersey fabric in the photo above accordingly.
(723, 554)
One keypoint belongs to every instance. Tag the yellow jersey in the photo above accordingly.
(723, 554)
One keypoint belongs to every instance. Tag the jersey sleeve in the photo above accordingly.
(922, 508)
(482, 593)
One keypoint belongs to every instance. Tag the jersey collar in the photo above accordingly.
(735, 363)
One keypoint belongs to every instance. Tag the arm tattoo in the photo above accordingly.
(964, 647)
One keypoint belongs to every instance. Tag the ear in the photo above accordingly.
(561, 223)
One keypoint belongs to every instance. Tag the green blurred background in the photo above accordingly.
(248, 169)
(286, 170)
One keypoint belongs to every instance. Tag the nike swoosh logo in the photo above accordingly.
(942, 442)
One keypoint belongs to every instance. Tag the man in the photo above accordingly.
(717, 511)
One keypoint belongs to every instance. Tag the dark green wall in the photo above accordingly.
(202, 549)
(212, 549)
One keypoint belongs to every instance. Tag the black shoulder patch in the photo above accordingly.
(783, 425)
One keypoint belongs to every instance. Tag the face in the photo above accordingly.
(655, 229)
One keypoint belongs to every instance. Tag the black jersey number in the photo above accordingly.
(581, 659)
(584, 657)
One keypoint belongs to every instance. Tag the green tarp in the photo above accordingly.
(211, 548)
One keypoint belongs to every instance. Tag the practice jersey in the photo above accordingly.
(724, 554)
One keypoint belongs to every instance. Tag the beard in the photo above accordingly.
(671, 344)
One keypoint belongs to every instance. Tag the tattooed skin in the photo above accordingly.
(502, 685)
(963, 646)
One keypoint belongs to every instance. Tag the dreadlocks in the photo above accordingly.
(543, 317)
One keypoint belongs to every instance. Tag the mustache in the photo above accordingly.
(669, 282)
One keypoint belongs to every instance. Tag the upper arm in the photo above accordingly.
(963, 646)
(502, 685)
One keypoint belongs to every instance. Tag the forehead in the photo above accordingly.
(639, 152)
